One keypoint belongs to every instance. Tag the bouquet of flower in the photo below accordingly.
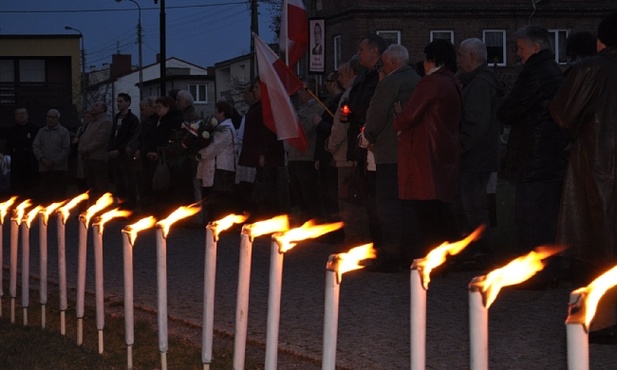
(197, 135)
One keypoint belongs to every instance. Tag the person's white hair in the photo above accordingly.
(186, 96)
(398, 53)
(55, 112)
(476, 48)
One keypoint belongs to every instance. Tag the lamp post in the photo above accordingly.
(139, 43)
(83, 69)
(162, 52)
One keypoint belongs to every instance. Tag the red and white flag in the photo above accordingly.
(277, 83)
(294, 36)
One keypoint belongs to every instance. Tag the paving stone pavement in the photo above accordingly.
(526, 328)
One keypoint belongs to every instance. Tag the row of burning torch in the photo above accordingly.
(483, 290)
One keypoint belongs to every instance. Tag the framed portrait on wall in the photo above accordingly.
(317, 47)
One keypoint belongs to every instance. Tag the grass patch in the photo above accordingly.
(32, 347)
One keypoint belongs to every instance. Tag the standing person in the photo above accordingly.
(263, 151)
(479, 141)
(23, 163)
(92, 147)
(216, 169)
(585, 108)
(579, 46)
(303, 176)
(186, 182)
(535, 159)
(144, 167)
(325, 163)
(397, 86)
(124, 127)
(428, 151)
(369, 53)
(355, 217)
(80, 177)
(51, 148)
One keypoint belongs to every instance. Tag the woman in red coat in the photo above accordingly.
(428, 150)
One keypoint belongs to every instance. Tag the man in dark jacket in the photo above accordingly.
(23, 164)
(585, 108)
(478, 137)
(123, 129)
(535, 158)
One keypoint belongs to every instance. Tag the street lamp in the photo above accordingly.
(83, 69)
(139, 42)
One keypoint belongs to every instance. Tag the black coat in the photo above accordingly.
(536, 144)
(586, 108)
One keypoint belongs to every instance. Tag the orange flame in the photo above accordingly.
(31, 215)
(20, 210)
(273, 225)
(515, 272)
(101, 203)
(309, 230)
(349, 261)
(4, 208)
(65, 210)
(438, 255)
(178, 214)
(225, 223)
(110, 215)
(47, 211)
(144, 223)
(584, 309)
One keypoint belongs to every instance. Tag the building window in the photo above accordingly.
(32, 70)
(7, 70)
(442, 35)
(558, 44)
(391, 37)
(495, 41)
(336, 41)
(199, 92)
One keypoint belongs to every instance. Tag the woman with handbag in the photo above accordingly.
(217, 166)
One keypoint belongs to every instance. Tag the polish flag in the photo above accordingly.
(294, 37)
(277, 83)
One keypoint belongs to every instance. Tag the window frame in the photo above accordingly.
(386, 35)
(336, 45)
(434, 32)
(194, 89)
(556, 46)
(504, 53)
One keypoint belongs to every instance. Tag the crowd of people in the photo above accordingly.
(403, 154)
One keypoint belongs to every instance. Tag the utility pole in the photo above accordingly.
(162, 52)
(84, 82)
(254, 28)
(139, 43)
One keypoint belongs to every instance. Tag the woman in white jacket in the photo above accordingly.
(217, 165)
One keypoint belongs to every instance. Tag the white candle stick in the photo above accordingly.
(60, 223)
(81, 276)
(42, 265)
(4, 207)
(337, 265)
(274, 305)
(331, 309)
(209, 285)
(478, 330)
(25, 261)
(129, 318)
(242, 301)
(161, 278)
(129, 234)
(16, 219)
(62, 217)
(162, 230)
(578, 346)
(418, 321)
(97, 242)
(25, 270)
